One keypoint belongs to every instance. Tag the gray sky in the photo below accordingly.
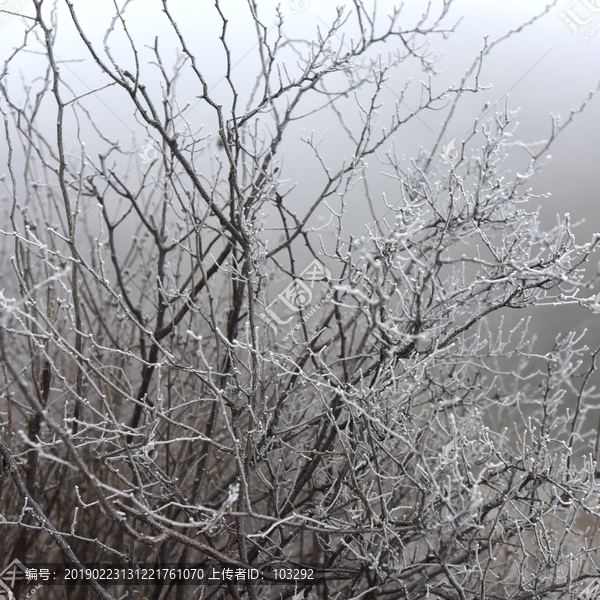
(547, 68)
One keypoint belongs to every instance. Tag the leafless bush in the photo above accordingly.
(202, 366)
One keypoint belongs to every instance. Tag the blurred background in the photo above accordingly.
(548, 67)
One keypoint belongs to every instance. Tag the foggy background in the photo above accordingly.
(545, 69)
